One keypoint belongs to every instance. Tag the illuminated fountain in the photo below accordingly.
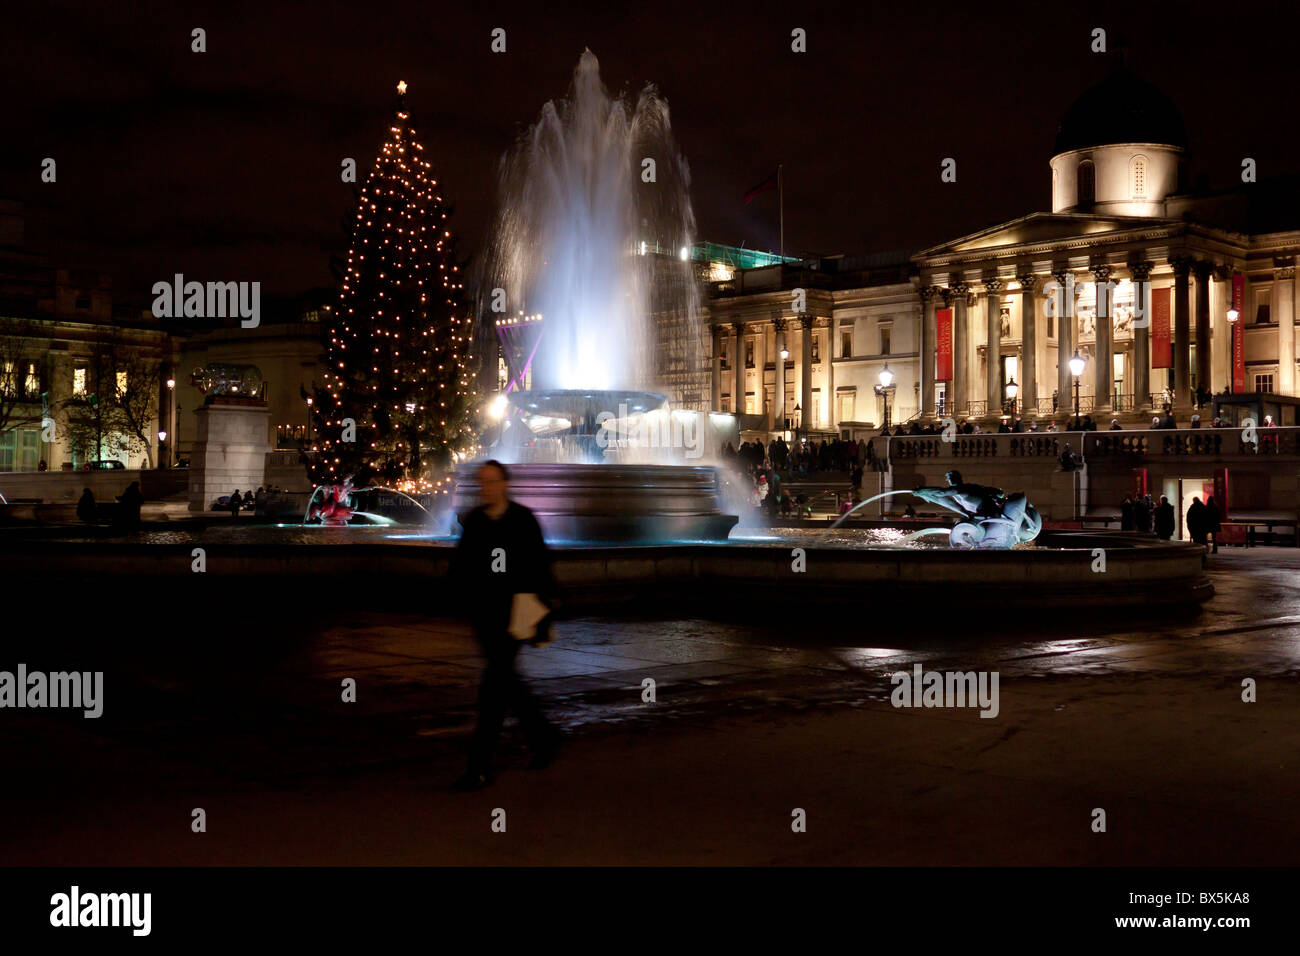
(593, 241)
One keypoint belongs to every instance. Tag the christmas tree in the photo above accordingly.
(398, 399)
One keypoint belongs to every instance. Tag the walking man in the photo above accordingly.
(502, 558)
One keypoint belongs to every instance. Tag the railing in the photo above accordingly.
(1097, 445)
(290, 436)
(1192, 442)
(989, 445)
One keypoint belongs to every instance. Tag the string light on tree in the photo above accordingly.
(378, 341)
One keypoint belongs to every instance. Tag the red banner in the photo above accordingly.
(1162, 347)
(943, 348)
(1139, 481)
(1239, 333)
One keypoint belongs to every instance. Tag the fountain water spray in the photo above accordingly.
(595, 215)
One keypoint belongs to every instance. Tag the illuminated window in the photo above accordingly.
(846, 406)
(79, 381)
(1087, 183)
(120, 381)
(7, 378)
(33, 383)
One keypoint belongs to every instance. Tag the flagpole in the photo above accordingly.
(780, 188)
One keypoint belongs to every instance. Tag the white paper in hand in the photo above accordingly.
(525, 612)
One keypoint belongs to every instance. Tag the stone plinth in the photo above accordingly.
(230, 452)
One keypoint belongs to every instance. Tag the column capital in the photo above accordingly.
(1223, 273)
(958, 288)
(807, 320)
(1285, 272)
(779, 322)
(1202, 269)
(1063, 277)
(945, 294)
(1102, 271)
(1028, 281)
(929, 293)
(993, 286)
(738, 327)
(1141, 270)
(1182, 265)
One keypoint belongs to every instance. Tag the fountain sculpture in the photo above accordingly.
(993, 519)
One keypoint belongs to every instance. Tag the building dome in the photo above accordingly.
(1121, 109)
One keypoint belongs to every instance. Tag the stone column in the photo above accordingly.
(778, 392)
(993, 377)
(717, 368)
(1220, 330)
(738, 366)
(928, 348)
(1203, 270)
(1141, 273)
(1182, 333)
(1104, 373)
(1284, 283)
(1027, 400)
(805, 363)
(831, 346)
(960, 346)
(1066, 324)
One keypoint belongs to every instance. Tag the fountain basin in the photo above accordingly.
(939, 590)
(611, 503)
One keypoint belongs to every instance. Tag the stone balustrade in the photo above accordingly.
(1226, 443)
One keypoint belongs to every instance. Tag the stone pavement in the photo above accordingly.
(750, 722)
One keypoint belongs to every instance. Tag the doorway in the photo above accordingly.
(1189, 488)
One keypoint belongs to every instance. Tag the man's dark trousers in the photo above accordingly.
(502, 689)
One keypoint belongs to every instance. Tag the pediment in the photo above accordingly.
(1036, 229)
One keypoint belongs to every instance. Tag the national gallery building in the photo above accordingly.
(1166, 294)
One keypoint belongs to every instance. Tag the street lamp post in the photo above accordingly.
(1076, 369)
(171, 413)
(885, 389)
(1012, 391)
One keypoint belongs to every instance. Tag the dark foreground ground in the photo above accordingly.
(231, 702)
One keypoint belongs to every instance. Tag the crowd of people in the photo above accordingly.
(247, 501)
(764, 470)
(1142, 513)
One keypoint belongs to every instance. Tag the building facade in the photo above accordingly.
(825, 330)
(1132, 268)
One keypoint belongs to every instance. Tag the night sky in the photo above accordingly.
(225, 165)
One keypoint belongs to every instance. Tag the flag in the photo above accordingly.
(764, 186)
